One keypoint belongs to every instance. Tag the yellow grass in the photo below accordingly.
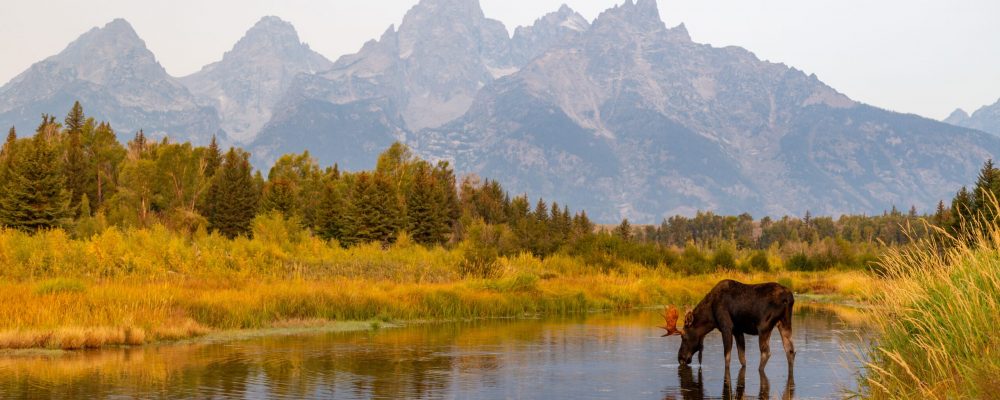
(122, 312)
(140, 286)
(937, 308)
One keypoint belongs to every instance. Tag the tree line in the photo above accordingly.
(77, 176)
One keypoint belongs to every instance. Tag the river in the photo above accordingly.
(591, 356)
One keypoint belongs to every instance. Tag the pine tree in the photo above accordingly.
(75, 119)
(331, 215)
(233, 196)
(426, 205)
(541, 213)
(75, 163)
(940, 215)
(985, 192)
(373, 215)
(11, 135)
(447, 194)
(35, 197)
(213, 157)
(6, 152)
(624, 230)
(279, 195)
(963, 210)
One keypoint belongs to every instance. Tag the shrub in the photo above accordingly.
(800, 262)
(758, 262)
(724, 258)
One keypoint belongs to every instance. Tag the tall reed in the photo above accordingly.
(937, 310)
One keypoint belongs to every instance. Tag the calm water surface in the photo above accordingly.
(594, 356)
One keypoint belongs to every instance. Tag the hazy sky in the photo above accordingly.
(924, 57)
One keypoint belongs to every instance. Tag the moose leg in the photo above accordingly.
(727, 343)
(786, 341)
(741, 347)
(765, 348)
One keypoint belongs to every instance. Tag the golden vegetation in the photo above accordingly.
(123, 287)
(937, 309)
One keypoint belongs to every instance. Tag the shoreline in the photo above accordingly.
(833, 303)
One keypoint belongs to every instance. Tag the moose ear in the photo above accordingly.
(688, 319)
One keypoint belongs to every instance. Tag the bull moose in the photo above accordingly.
(736, 309)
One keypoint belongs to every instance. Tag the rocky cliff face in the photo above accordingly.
(250, 79)
(111, 71)
(633, 119)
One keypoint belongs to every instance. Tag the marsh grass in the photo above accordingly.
(937, 310)
(139, 286)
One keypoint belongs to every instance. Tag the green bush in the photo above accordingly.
(724, 258)
(800, 262)
(758, 262)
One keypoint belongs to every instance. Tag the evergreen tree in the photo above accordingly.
(541, 213)
(940, 215)
(279, 195)
(11, 135)
(986, 190)
(373, 215)
(331, 215)
(213, 158)
(446, 194)
(75, 119)
(428, 219)
(963, 210)
(35, 197)
(233, 196)
(75, 168)
(624, 230)
(6, 154)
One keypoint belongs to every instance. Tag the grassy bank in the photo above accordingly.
(938, 310)
(142, 286)
(96, 314)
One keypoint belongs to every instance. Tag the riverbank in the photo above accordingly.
(936, 315)
(75, 314)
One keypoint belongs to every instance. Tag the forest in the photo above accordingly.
(75, 176)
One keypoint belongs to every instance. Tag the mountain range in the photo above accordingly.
(986, 119)
(621, 116)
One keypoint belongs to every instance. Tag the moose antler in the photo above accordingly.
(670, 315)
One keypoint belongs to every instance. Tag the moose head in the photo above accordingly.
(691, 341)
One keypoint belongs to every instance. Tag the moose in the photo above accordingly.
(736, 309)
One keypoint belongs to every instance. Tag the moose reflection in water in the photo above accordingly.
(694, 387)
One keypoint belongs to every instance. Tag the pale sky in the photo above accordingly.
(918, 56)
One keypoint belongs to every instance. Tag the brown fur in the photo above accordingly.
(737, 309)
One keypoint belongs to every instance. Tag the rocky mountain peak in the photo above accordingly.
(251, 78)
(270, 33)
(115, 46)
(957, 117)
(531, 41)
(679, 33)
(986, 118)
(470, 9)
(638, 17)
